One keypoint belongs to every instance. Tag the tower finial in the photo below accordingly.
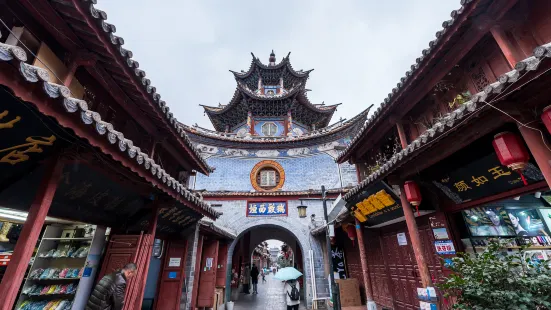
(272, 58)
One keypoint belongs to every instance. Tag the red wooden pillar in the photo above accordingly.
(541, 154)
(402, 135)
(416, 244)
(504, 44)
(26, 243)
(365, 269)
(413, 230)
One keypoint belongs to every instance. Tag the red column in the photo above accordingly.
(402, 135)
(504, 44)
(416, 244)
(365, 268)
(541, 153)
(26, 243)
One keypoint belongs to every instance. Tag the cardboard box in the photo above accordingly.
(349, 290)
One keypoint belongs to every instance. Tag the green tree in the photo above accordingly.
(497, 280)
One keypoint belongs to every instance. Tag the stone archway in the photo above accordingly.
(303, 240)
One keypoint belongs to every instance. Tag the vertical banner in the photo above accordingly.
(339, 265)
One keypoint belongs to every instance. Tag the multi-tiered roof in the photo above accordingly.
(251, 96)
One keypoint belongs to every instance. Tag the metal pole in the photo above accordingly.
(334, 291)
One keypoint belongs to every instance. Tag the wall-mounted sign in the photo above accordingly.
(174, 262)
(172, 274)
(209, 262)
(482, 178)
(402, 239)
(440, 233)
(444, 247)
(339, 265)
(267, 209)
(376, 205)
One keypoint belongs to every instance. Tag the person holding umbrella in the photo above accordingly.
(291, 288)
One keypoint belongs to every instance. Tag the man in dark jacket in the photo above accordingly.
(254, 278)
(109, 292)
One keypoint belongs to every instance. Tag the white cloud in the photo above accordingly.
(359, 49)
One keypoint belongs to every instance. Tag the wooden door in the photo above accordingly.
(221, 266)
(402, 266)
(402, 271)
(207, 276)
(122, 249)
(377, 270)
(172, 277)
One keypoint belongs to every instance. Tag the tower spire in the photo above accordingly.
(272, 58)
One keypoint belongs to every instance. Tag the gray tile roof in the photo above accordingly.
(109, 30)
(32, 74)
(455, 117)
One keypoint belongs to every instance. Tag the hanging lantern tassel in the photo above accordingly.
(522, 178)
(511, 152)
(417, 209)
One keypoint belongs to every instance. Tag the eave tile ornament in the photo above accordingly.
(61, 93)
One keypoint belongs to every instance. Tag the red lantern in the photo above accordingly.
(546, 118)
(413, 195)
(511, 152)
(351, 232)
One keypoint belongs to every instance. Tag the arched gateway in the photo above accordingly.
(272, 150)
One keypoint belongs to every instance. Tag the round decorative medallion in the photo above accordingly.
(267, 176)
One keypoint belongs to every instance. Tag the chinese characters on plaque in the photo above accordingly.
(482, 178)
(377, 205)
(267, 209)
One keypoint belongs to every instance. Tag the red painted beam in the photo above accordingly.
(26, 243)
(82, 8)
(33, 93)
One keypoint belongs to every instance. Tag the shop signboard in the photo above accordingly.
(444, 247)
(264, 209)
(483, 177)
(377, 204)
(339, 265)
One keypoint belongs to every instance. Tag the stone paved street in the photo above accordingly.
(270, 297)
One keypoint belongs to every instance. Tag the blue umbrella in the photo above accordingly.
(287, 273)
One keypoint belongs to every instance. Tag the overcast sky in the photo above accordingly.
(359, 49)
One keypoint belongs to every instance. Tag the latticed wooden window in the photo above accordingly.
(268, 178)
(269, 129)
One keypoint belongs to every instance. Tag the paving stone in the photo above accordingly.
(270, 297)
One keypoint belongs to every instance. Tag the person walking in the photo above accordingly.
(254, 278)
(109, 292)
(292, 294)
